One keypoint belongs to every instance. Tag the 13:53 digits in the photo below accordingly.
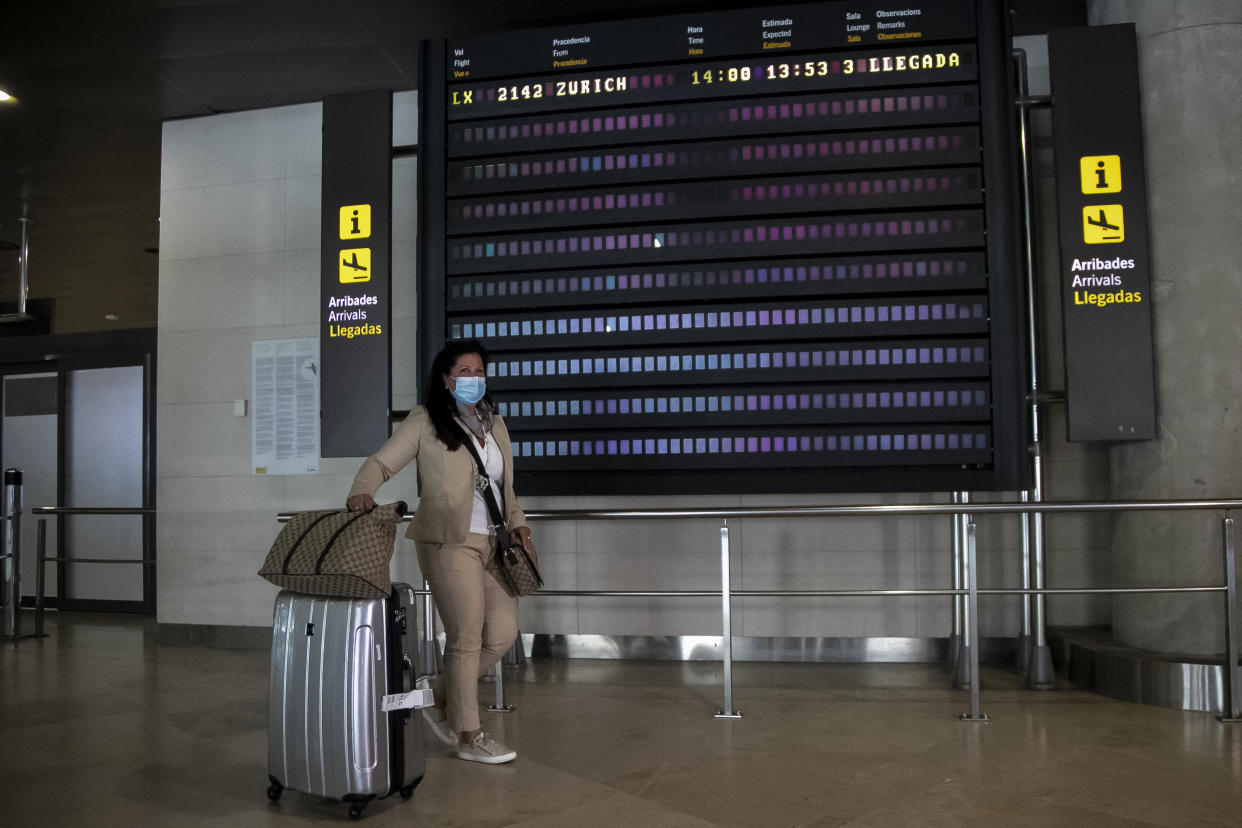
(773, 71)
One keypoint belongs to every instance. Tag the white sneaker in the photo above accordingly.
(485, 749)
(439, 725)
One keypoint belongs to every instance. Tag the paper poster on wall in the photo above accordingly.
(284, 428)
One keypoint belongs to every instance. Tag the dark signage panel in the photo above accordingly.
(765, 250)
(1105, 262)
(355, 273)
(706, 36)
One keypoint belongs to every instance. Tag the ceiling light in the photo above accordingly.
(111, 317)
(5, 97)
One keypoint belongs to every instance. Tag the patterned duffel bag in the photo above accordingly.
(335, 553)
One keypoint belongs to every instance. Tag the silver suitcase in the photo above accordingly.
(333, 662)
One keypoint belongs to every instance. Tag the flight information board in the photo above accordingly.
(765, 250)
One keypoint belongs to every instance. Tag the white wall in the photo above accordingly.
(239, 261)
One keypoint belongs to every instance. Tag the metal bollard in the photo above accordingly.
(954, 656)
(964, 675)
(726, 616)
(972, 620)
(1233, 678)
(40, 574)
(432, 664)
(500, 707)
(11, 557)
(515, 656)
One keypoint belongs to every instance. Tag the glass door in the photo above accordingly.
(104, 453)
(78, 420)
(29, 441)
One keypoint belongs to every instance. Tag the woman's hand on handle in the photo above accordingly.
(521, 535)
(360, 503)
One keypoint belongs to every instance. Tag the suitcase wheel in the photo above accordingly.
(274, 791)
(408, 790)
(355, 810)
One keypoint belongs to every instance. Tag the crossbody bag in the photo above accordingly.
(517, 564)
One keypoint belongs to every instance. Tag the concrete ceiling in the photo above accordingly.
(95, 79)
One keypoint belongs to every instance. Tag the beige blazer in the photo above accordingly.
(446, 478)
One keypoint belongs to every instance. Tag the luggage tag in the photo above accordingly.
(412, 700)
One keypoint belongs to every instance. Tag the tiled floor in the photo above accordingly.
(101, 726)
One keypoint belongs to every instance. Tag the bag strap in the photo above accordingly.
(289, 556)
(489, 497)
(328, 546)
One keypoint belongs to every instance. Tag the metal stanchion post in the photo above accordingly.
(1233, 713)
(1039, 674)
(1034, 656)
(972, 606)
(40, 576)
(726, 617)
(1022, 650)
(431, 652)
(965, 675)
(955, 634)
(515, 656)
(11, 555)
(500, 706)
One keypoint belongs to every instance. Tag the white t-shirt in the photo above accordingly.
(494, 463)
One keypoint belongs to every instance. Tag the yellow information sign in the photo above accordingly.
(356, 222)
(1103, 224)
(1100, 173)
(355, 265)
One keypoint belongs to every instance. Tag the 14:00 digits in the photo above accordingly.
(773, 71)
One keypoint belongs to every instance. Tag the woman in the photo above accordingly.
(453, 534)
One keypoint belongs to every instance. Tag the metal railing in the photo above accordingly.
(41, 558)
(970, 591)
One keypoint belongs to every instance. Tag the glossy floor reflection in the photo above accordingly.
(100, 725)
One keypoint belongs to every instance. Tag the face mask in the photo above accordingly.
(469, 390)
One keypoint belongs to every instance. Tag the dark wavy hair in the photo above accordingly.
(441, 406)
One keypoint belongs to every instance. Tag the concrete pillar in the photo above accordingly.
(1190, 70)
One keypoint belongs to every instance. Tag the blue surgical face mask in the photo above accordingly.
(469, 390)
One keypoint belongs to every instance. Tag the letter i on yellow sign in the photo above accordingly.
(1100, 173)
(356, 221)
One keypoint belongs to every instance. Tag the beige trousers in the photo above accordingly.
(479, 619)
